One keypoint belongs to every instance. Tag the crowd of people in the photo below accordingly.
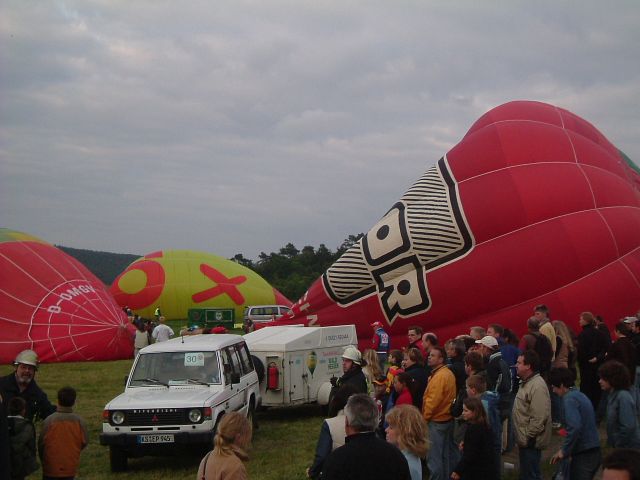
(454, 408)
(63, 434)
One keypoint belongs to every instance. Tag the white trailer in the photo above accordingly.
(295, 364)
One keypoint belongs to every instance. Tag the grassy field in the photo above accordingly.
(283, 445)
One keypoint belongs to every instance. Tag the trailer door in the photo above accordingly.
(298, 379)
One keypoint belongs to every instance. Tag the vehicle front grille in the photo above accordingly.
(156, 416)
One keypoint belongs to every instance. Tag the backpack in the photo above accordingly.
(544, 350)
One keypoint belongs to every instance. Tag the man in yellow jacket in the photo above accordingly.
(436, 410)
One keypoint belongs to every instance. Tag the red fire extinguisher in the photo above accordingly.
(273, 380)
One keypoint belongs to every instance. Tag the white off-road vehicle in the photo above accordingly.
(176, 394)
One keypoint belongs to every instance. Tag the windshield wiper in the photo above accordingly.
(197, 382)
(155, 381)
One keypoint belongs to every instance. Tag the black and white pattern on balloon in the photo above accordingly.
(424, 230)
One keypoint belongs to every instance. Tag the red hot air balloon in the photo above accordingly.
(52, 304)
(533, 206)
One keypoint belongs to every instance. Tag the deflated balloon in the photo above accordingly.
(533, 206)
(177, 280)
(52, 304)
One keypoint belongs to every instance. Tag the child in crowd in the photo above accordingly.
(395, 367)
(407, 430)
(403, 387)
(478, 459)
(64, 435)
(22, 440)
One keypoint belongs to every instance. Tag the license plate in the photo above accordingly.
(155, 438)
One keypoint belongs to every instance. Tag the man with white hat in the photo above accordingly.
(498, 373)
(352, 369)
(22, 383)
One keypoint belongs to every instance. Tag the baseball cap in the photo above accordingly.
(488, 341)
(376, 324)
(630, 320)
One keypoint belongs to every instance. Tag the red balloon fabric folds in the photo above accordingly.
(534, 205)
(52, 304)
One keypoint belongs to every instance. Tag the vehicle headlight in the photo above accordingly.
(117, 417)
(195, 415)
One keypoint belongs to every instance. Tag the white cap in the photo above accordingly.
(488, 341)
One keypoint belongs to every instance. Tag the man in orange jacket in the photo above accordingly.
(436, 410)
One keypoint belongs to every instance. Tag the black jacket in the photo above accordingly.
(478, 456)
(420, 378)
(367, 457)
(354, 377)
(38, 405)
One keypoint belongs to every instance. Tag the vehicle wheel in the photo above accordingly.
(251, 415)
(117, 459)
(257, 363)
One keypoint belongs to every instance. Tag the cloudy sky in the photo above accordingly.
(239, 126)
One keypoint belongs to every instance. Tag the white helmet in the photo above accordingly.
(353, 354)
(27, 357)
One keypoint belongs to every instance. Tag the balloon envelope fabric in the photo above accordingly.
(533, 206)
(51, 303)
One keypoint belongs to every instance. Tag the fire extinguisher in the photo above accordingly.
(273, 380)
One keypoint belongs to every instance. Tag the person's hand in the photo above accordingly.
(461, 446)
(307, 472)
(455, 476)
(557, 457)
(593, 360)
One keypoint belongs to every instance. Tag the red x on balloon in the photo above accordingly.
(224, 285)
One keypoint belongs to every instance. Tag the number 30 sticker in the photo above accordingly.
(194, 359)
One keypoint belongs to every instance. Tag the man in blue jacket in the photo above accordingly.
(581, 447)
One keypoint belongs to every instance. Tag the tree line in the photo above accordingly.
(290, 270)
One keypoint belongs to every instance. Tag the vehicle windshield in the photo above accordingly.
(176, 368)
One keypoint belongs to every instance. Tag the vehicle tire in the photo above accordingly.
(251, 415)
(117, 459)
(257, 363)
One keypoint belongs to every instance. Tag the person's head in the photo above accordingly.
(614, 376)
(339, 399)
(487, 345)
(533, 325)
(437, 356)
(528, 364)
(371, 360)
(395, 357)
(413, 356)
(541, 312)
(351, 358)
(563, 332)
(361, 414)
(376, 325)
(17, 406)
(587, 318)
(623, 329)
(633, 323)
(477, 332)
(429, 340)
(473, 411)
(561, 380)
(234, 429)
(473, 362)
(402, 381)
(621, 464)
(495, 330)
(380, 386)
(161, 319)
(67, 397)
(476, 385)
(455, 348)
(414, 333)
(407, 430)
(510, 337)
(26, 364)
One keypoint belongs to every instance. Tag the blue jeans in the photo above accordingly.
(584, 465)
(530, 464)
(444, 454)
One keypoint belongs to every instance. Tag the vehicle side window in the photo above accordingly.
(234, 361)
(271, 311)
(284, 310)
(245, 359)
(227, 366)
